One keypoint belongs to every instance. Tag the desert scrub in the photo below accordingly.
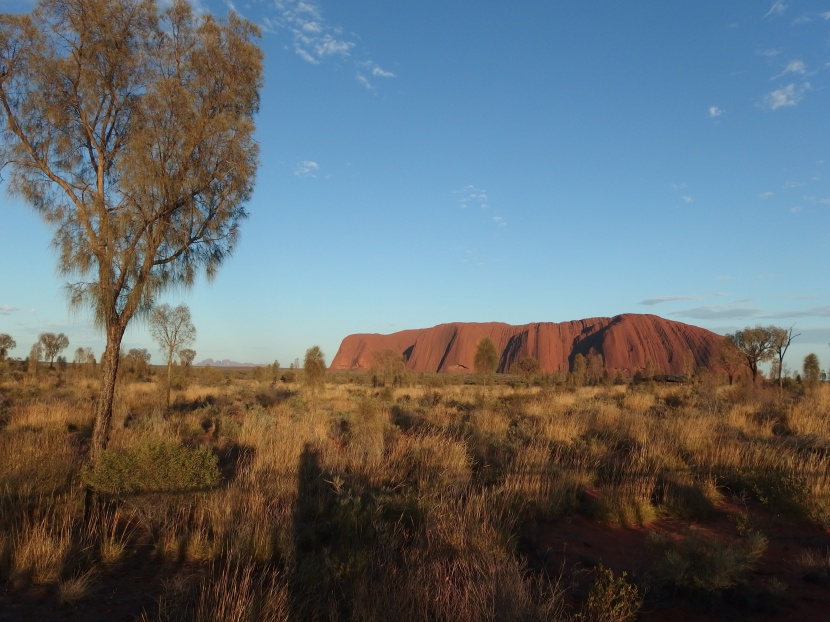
(611, 598)
(703, 567)
(154, 467)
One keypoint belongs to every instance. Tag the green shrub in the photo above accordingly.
(611, 599)
(154, 467)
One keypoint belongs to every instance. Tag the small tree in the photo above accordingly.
(138, 360)
(315, 368)
(486, 359)
(34, 358)
(527, 367)
(172, 329)
(755, 346)
(596, 368)
(811, 369)
(730, 359)
(53, 344)
(579, 369)
(186, 357)
(6, 344)
(388, 367)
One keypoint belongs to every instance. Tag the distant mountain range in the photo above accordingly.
(224, 363)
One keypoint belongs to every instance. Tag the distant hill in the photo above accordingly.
(224, 363)
(625, 342)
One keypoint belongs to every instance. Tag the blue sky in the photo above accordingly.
(428, 162)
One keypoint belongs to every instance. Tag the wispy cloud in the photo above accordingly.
(306, 168)
(7, 309)
(472, 196)
(715, 112)
(714, 312)
(658, 300)
(766, 195)
(796, 67)
(813, 312)
(787, 96)
(315, 40)
(778, 7)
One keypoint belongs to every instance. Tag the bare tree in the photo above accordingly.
(53, 344)
(173, 330)
(6, 344)
(131, 132)
(781, 340)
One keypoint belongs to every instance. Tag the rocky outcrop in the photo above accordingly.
(625, 342)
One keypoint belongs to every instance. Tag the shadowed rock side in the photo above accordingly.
(625, 342)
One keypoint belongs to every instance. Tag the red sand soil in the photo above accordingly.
(577, 543)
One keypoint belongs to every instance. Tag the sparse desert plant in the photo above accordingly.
(154, 467)
(700, 566)
(76, 588)
(612, 598)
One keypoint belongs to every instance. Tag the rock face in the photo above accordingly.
(625, 342)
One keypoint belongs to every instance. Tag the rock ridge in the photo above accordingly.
(626, 342)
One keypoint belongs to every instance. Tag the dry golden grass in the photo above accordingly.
(406, 500)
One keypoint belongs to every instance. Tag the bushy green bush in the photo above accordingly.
(158, 466)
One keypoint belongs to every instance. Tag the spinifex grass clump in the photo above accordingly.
(703, 567)
(154, 467)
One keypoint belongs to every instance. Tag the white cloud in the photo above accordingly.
(380, 72)
(826, 15)
(470, 195)
(786, 97)
(766, 195)
(7, 309)
(315, 40)
(687, 199)
(374, 70)
(778, 8)
(306, 168)
(795, 209)
(793, 67)
(715, 112)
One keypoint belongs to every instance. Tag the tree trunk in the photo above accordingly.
(103, 410)
(169, 375)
